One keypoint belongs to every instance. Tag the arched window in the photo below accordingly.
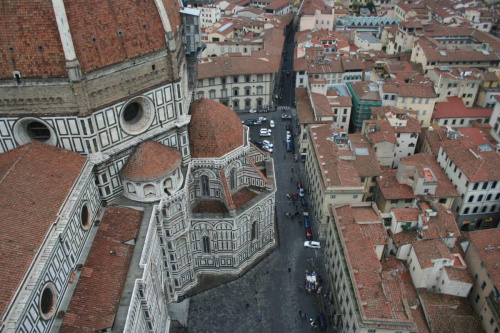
(254, 230)
(149, 190)
(167, 185)
(232, 179)
(206, 244)
(205, 185)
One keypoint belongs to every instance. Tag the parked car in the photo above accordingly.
(286, 117)
(289, 146)
(267, 148)
(263, 119)
(265, 132)
(309, 233)
(312, 244)
(271, 123)
(307, 222)
(252, 111)
(257, 143)
(268, 143)
(301, 192)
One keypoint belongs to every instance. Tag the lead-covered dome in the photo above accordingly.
(151, 160)
(215, 129)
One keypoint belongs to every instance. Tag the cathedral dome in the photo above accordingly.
(214, 130)
(151, 160)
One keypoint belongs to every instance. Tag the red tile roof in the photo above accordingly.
(151, 160)
(429, 250)
(445, 187)
(214, 130)
(391, 188)
(94, 308)
(384, 133)
(372, 285)
(443, 225)
(410, 90)
(35, 180)
(335, 171)
(455, 108)
(474, 164)
(446, 313)
(487, 244)
(406, 214)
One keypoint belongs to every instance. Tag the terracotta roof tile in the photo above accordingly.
(384, 133)
(446, 313)
(445, 187)
(455, 108)
(151, 160)
(429, 250)
(35, 180)
(380, 294)
(474, 164)
(91, 308)
(335, 171)
(410, 90)
(391, 188)
(214, 130)
(406, 214)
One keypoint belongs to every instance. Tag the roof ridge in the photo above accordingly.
(16, 162)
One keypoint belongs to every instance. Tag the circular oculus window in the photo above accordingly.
(137, 115)
(32, 129)
(48, 301)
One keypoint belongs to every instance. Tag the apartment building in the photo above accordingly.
(316, 14)
(243, 82)
(333, 70)
(210, 14)
(435, 267)
(456, 82)
(425, 221)
(330, 105)
(473, 172)
(367, 42)
(482, 256)
(366, 164)
(331, 173)
(366, 293)
(430, 56)
(405, 11)
(454, 112)
(405, 128)
(488, 89)
(495, 120)
(365, 95)
(417, 175)
(417, 97)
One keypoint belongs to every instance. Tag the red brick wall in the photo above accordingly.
(25, 25)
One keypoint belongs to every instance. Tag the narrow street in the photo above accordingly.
(269, 297)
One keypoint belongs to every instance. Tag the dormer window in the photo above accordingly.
(17, 76)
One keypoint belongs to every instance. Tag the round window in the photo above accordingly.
(85, 217)
(137, 115)
(32, 129)
(48, 301)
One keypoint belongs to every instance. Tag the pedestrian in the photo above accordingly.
(300, 313)
(304, 316)
(289, 269)
(292, 169)
(260, 319)
(284, 156)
